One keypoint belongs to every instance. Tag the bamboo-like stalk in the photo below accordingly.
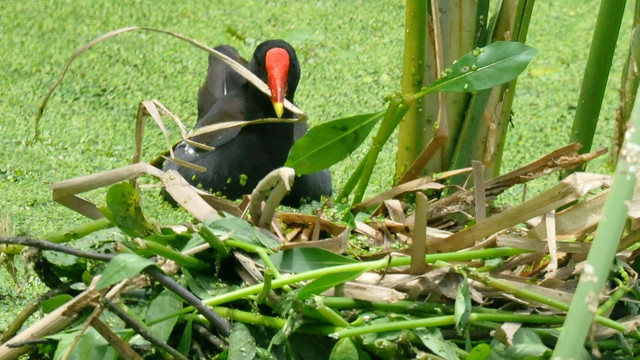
(460, 29)
(462, 24)
(502, 106)
(596, 269)
(411, 129)
(483, 135)
(629, 86)
(596, 74)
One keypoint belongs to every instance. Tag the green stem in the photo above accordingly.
(216, 243)
(596, 74)
(248, 317)
(398, 107)
(262, 253)
(449, 320)
(519, 32)
(266, 289)
(375, 264)
(605, 243)
(401, 306)
(351, 182)
(367, 265)
(396, 325)
(557, 304)
(77, 232)
(487, 118)
(262, 320)
(461, 27)
(171, 254)
(330, 315)
(613, 299)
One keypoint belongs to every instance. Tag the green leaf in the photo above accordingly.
(484, 68)
(299, 260)
(184, 346)
(433, 340)
(122, 267)
(330, 142)
(526, 344)
(124, 203)
(344, 349)
(242, 346)
(91, 345)
(480, 352)
(55, 302)
(242, 231)
(165, 303)
(462, 308)
(310, 346)
(205, 285)
(326, 282)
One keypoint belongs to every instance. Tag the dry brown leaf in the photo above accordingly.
(187, 196)
(65, 192)
(338, 240)
(395, 210)
(418, 184)
(557, 160)
(569, 189)
(550, 223)
(578, 218)
(367, 292)
(526, 243)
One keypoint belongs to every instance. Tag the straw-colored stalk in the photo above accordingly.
(628, 86)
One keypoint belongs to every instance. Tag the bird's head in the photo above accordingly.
(276, 63)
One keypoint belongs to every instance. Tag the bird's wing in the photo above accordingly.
(231, 108)
(220, 81)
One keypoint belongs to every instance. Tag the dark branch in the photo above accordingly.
(140, 329)
(152, 271)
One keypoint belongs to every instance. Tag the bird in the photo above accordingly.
(244, 155)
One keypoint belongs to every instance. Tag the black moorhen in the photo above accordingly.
(245, 155)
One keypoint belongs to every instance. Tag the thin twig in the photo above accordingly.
(140, 329)
(18, 344)
(122, 347)
(215, 319)
(419, 246)
(240, 69)
(48, 245)
(154, 272)
(478, 191)
(209, 337)
(33, 306)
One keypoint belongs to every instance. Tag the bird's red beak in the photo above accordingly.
(277, 65)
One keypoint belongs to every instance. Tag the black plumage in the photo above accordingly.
(244, 155)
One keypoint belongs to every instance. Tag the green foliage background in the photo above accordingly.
(351, 54)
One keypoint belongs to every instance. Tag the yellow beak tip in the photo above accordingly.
(279, 108)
